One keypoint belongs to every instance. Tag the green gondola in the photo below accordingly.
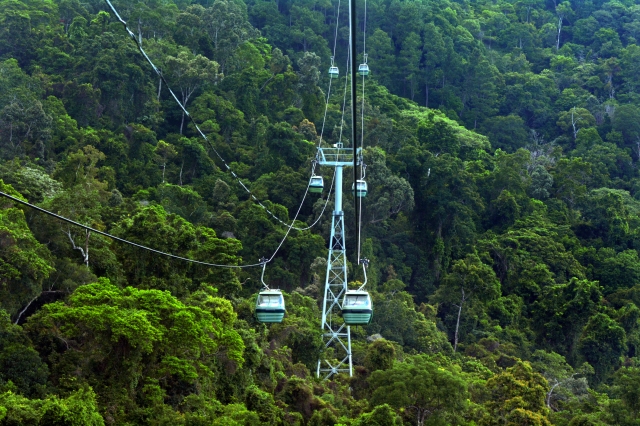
(357, 308)
(270, 306)
(316, 184)
(359, 189)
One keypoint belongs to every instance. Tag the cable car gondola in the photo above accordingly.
(357, 308)
(269, 303)
(270, 306)
(363, 69)
(333, 70)
(359, 188)
(316, 184)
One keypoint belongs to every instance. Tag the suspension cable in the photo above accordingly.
(324, 207)
(122, 240)
(364, 32)
(344, 97)
(262, 262)
(201, 133)
(354, 130)
(324, 120)
(335, 37)
(362, 166)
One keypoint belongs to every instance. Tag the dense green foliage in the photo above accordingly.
(502, 142)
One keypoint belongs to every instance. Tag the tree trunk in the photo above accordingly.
(25, 309)
(610, 83)
(559, 31)
(86, 247)
(438, 260)
(455, 337)
(186, 94)
(421, 415)
(83, 251)
(574, 123)
(550, 393)
(426, 95)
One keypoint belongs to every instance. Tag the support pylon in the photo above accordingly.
(336, 335)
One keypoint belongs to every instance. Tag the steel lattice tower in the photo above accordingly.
(336, 335)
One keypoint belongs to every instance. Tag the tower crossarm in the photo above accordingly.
(338, 156)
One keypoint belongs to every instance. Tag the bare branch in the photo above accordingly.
(25, 309)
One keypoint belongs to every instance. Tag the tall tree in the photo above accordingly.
(517, 397)
(190, 73)
(469, 281)
(429, 390)
(409, 60)
(25, 263)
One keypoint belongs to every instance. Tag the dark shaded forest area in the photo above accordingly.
(502, 139)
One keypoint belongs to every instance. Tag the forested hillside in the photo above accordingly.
(502, 139)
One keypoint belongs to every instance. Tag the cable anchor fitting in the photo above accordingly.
(263, 261)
